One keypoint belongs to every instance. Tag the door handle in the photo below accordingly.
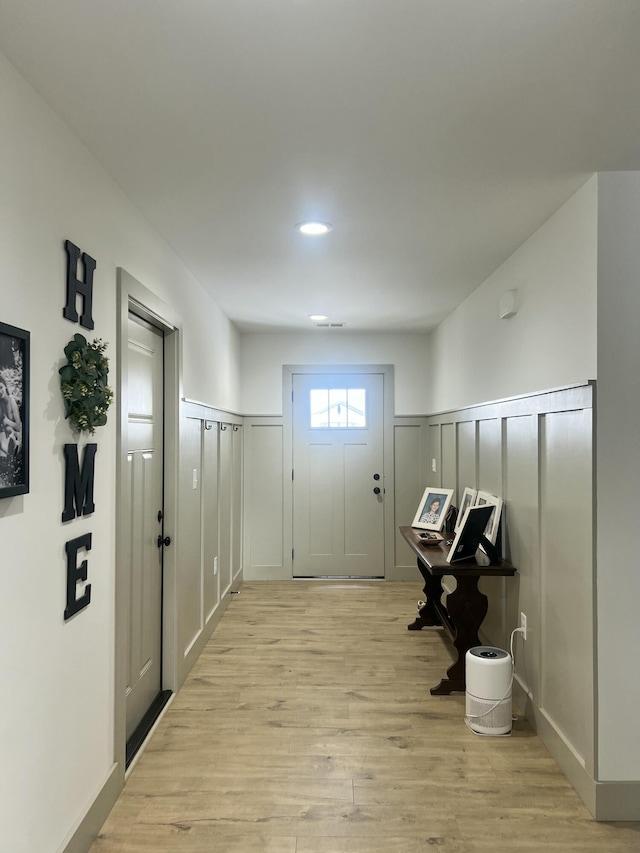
(165, 541)
(376, 491)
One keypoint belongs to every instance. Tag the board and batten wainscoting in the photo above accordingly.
(210, 523)
(536, 452)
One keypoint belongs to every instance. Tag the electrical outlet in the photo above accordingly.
(523, 625)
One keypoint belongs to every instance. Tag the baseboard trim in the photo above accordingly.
(80, 839)
(146, 741)
(572, 765)
(403, 573)
(194, 651)
(283, 573)
(267, 573)
(146, 725)
(617, 801)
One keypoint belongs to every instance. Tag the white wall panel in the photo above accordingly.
(490, 455)
(522, 542)
(449, 456)
(434, 454)
(210, 578)
(264, 545)
(490, 480)
(236, 501)
(408, 486)
(466, 470)
(566, 602)
(225, 498)
(190, 619)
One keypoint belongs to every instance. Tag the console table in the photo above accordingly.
(464, 609)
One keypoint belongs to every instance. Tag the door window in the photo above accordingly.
(338, 408)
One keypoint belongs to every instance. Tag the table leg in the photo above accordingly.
(428, 616)
(467, 607)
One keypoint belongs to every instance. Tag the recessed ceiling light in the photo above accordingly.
(318, 318)
(314, 229)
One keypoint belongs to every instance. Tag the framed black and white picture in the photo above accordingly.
(484, 498)
(468, 499)
(14, 411)
(433, 508)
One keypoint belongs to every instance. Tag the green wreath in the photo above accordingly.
(83, 381)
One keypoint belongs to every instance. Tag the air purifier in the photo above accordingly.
(488, 691)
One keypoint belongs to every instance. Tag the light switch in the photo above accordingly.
(195, 478)
(434, 467)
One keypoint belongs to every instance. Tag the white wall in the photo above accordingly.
(550, 342)
(56, 721)
(264, 355)
(618, 476)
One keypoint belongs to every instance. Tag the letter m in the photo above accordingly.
(78, 484)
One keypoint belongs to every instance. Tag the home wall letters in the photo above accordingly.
(78, 480)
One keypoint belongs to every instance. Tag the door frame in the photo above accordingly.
(132, 295)
(388, 402)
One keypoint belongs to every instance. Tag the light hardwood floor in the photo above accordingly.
(307, 726)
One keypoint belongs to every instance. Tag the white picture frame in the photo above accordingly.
(468, 499)
(491, 531)
(427, 517)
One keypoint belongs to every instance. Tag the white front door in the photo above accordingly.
(145, 386)
(338, 477)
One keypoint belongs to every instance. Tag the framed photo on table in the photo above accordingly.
(470, 533)
(433, 508)
(468, 499)
(483, 499)
(14, 411)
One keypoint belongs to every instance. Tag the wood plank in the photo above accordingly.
(307, 726)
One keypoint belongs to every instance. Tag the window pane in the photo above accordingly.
(319, 399)
(357, 407)
(338, 408)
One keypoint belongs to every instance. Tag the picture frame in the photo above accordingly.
(493, 525)
(14, 410)
(425, 518)
(469, 537)
(468, 499)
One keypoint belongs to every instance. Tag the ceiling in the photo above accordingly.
(435, 135)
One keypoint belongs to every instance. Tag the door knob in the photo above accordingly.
(165, 541)
(376, 476)
(376, 491)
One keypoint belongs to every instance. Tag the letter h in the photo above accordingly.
(75, 286)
